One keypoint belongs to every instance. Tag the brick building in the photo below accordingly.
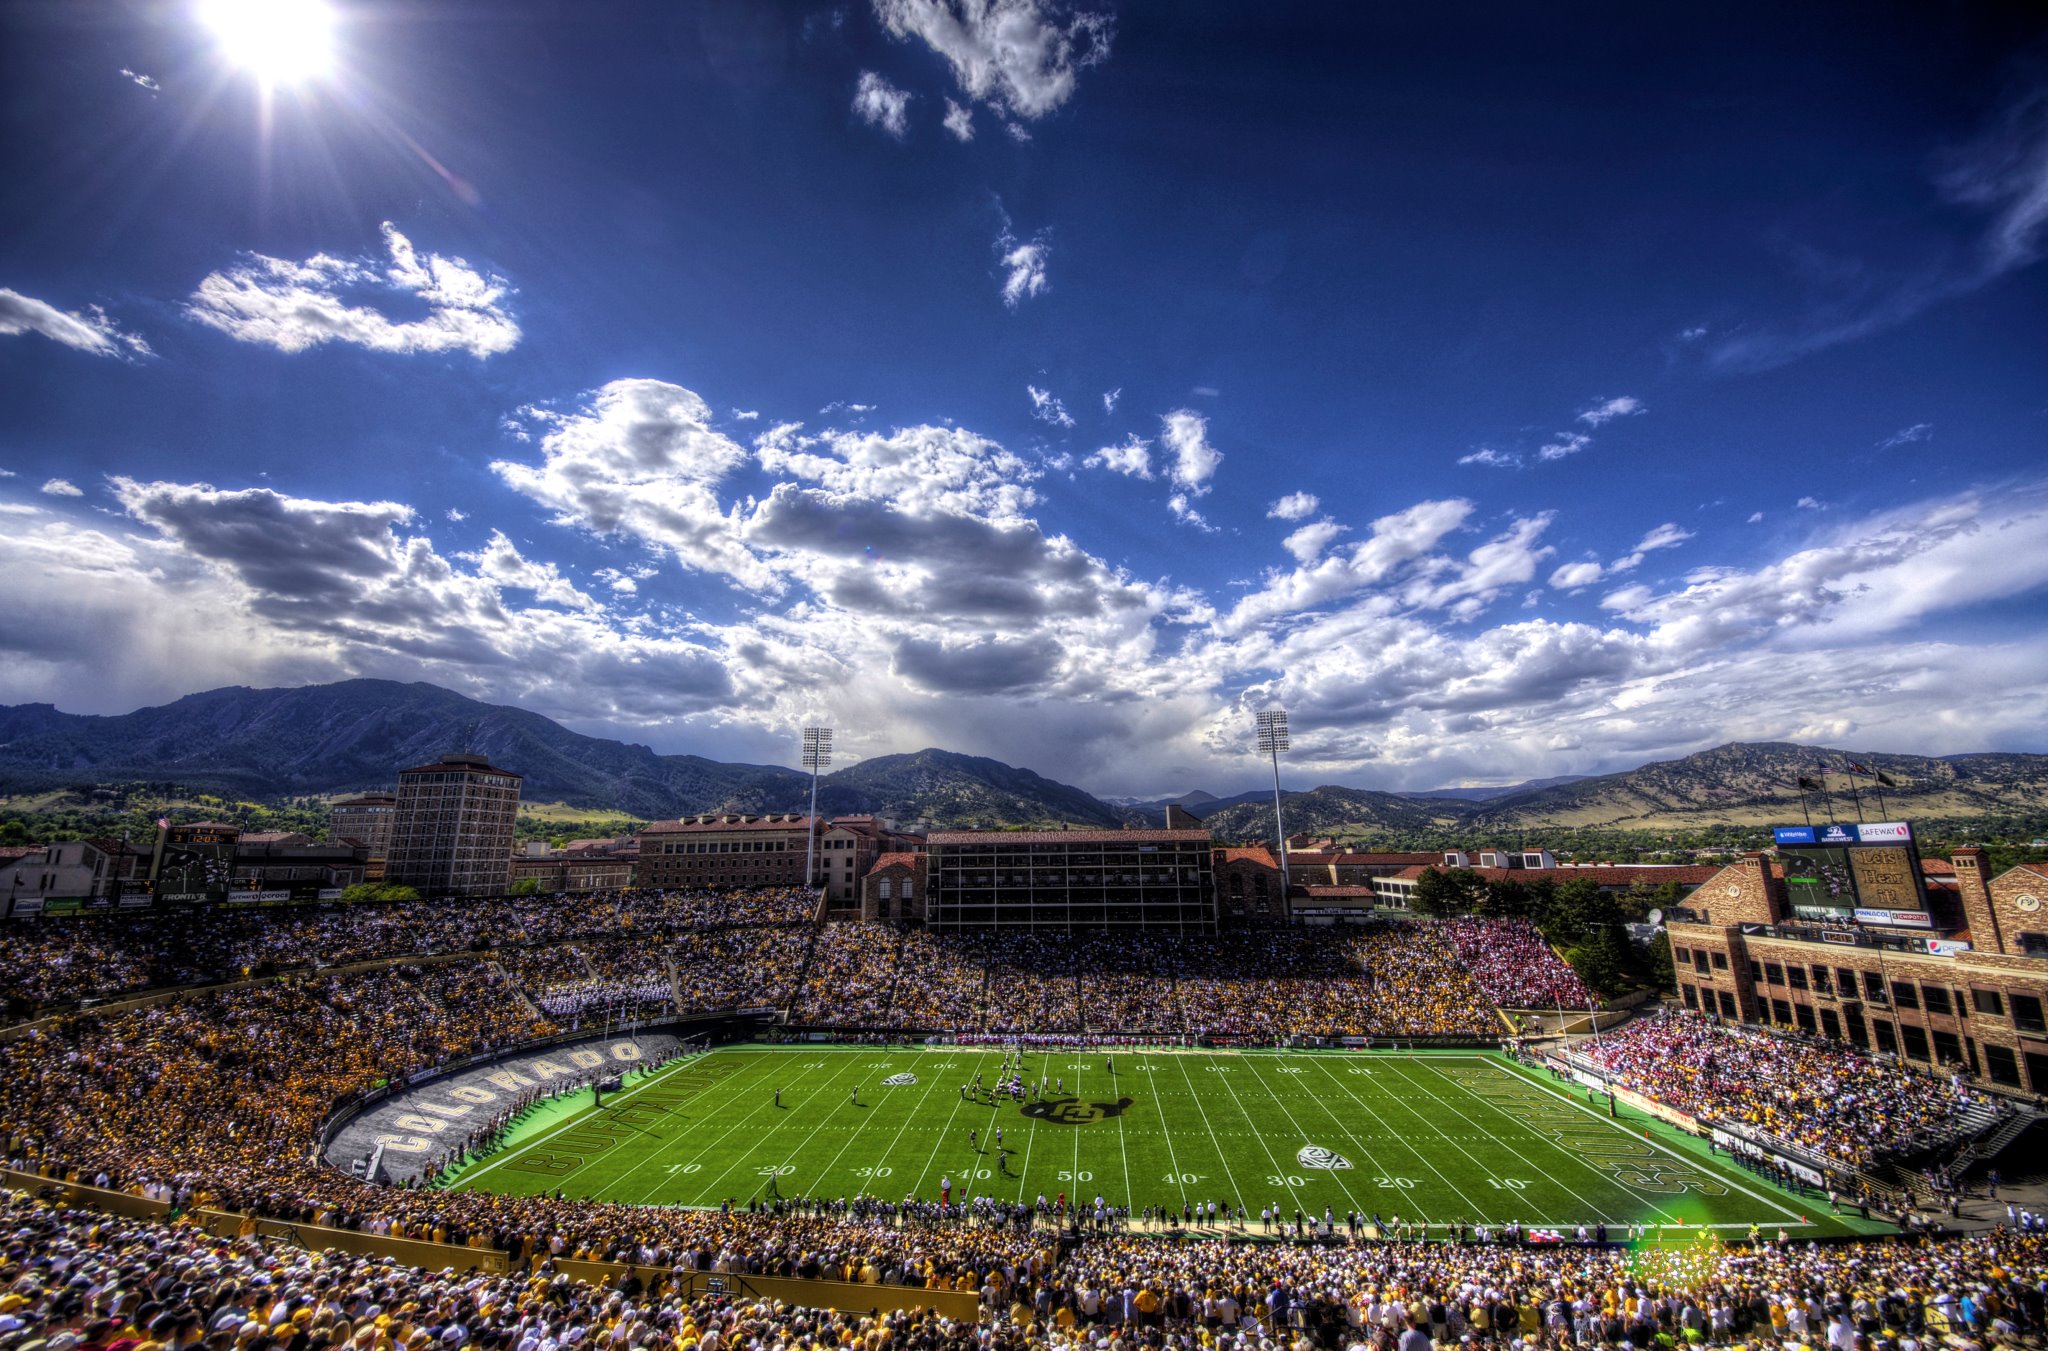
(894, 889)
(452, 830)
(1965, 985)
(367, 819)
(731, 849)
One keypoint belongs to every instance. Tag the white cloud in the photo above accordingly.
(1297, 506)
(1308, 543)
(1019, 56)
(1606, 410)
(457, 515)
(1396, 541)
(1905, 436)
(1563, 444)
(745, 414)
(1018, 132)
(1493, 459)
(1754, 517)
(1024, 269)
(501, 562)
(60, 487)
(642, 460)
(1133, 459)
(294, 306)
(1573, 576)
(145, 81)
(920, 470)
(1194, 461)
(1047, 408)
(1693, 334)
(960, 121)
(1811, 504)
(1109, 398)
(1183, 509)
(881, 104)
(1576, 576)
(90, 332)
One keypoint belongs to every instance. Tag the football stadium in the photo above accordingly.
(686, 1117)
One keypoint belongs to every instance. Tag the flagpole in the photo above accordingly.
(1855, 795)
(1825, 794)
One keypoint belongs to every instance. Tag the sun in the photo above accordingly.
(280, 42)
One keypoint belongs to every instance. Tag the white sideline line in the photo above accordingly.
(1655, 1143)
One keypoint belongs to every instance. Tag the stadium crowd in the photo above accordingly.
(81, 1281)
(1822, 1095)
(1514, 965)
(53, 962)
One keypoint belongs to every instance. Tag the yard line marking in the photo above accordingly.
(1172, 1155)
(766, 1060)
(713, 1182)
(1121, 1148)
(908, 1118)
(1567, 1153)
(1236, 1192)
(1252, 1065)
(1659, 1145)
(1397, 1137)
(945, 1130)
(659, 1076)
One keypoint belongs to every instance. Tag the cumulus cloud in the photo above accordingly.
(1606, 410)
(1023, 268)
(642, 460)
(1577, 576)
(1021, 57)
(1297, 506)
(1109, 398)
(60, 487)
(1308, 543)
(91, 331)
(1046, 408)
(960, 121)
(1132, 459)
(881, 104)
(1183, 508)
(1194, 461)
(296, 305)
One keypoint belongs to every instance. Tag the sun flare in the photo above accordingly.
(280, 42)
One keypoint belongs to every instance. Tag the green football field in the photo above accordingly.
(1435, 1138)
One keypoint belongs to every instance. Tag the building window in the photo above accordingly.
(2026, 1013)
(1692, 996)
(1795, 976)
(2003, 1065)
(1873, 986)
(1720, 961)
(1905, 995)
(1774, 973)
(1916, 1041)
(1935, 998)
(1727, 1005)
(884, 890)
(1987, 1001)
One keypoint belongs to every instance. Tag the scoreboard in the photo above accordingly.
(1869, 874)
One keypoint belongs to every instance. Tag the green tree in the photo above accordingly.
(1448, 891)
(525, 886)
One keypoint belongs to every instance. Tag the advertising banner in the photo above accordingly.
(257, 897)
(1793, 835)
(1904, 919)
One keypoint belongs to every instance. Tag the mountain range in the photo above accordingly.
(320, 740)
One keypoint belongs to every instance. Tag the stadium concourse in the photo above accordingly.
(215, 1096)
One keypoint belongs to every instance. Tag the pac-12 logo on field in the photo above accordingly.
(899, 1080)
(1315, 1156)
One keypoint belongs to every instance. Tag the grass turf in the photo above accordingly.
(1433, 1137)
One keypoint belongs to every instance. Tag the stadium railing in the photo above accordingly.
(318, 1238)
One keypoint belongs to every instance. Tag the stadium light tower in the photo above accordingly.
(817, 754)
(1272, 725)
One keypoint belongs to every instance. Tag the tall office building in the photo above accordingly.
(452, 835)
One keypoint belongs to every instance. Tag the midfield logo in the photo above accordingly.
(1074, 1112)
(899, 1080)
(1315, 1156)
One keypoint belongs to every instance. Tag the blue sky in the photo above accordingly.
(1504, 392)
